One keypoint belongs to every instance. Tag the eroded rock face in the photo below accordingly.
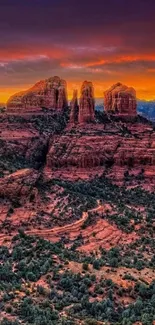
(120, 99)
(94, 149)
(87, 103)
(74, 108)
(49, 93)
(19, 184)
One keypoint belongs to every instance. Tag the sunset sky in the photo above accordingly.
(104, 41)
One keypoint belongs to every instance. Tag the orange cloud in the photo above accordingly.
(121, 59)
(23, 52)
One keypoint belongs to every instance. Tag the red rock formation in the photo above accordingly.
(96, 148)
(74, 108)
(49, 93)
(19, 184)
(87, 103)
(120, 99)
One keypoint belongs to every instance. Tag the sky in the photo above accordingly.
(104, 41)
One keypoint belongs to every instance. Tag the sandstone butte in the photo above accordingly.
(120, 99)
(74, 108)
(87, 103)
(85, 111)
(50, 93)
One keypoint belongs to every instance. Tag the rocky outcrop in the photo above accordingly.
(87, 103)
(49, 93)
(19, 184)
(74, 108)
(120, 99)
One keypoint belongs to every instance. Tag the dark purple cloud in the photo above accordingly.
(99, 40)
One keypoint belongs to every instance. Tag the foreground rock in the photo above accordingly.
(49, 93)
(19, 184)
(87, 103)
(120, 99)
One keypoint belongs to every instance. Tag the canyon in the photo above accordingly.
(72, 144)
(77, 204)
(77, 142)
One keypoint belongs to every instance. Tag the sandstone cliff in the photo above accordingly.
(49, 93)
(87, 103)
(112, 148)
(74, 108)
(120, 99)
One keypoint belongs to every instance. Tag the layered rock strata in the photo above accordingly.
(120, 99)
(49, 93)
(95, 146)
(87, 103)
(74, 109)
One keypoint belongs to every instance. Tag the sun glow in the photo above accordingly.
(143, 92)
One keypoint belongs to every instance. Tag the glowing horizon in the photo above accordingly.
(98, 90)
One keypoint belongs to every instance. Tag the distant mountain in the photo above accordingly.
(99, 104)
(144, 108)
(147, 109)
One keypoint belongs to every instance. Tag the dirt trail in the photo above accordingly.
(58, 231)
(99, 234)
(53, 233)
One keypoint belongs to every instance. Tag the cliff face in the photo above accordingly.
(92, 150)
(87, 103)
(113, 148)
(120, 99)
(74, 108)
(49, 93)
